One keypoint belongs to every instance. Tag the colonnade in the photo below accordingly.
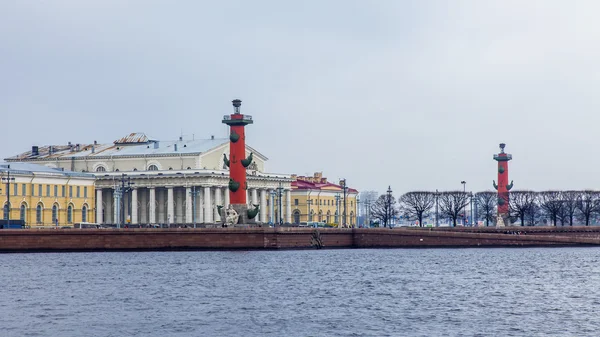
(185, 204)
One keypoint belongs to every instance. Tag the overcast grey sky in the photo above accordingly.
(412, 94)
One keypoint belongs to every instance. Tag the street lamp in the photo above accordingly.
(8, 179)
(280, 192)
(272, 210)
(389, 201)
(337, 209)
(464, 183)
(437, 194)
(345, 189)
(194, 193)
(124, 188)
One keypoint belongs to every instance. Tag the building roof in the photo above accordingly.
(134, 144)
(317, 183)
(34, 169)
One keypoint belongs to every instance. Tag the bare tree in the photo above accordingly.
(570, 199)
(416, 205)
(533, 211)
(453, 203)
(384, 209)
(588, 204)
(551, 202)
(521, 202)
(486, 203)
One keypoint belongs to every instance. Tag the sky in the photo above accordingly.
(415, 95)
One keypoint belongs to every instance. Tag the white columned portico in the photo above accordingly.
(152, 203)
(207, 206)
(188, 205)
(263, 205)
(218, 193)
(288, 206)
(170, 212)
(134, 206)
(99, 208)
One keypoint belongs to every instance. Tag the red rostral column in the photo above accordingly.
(237, 152)
(503, 186)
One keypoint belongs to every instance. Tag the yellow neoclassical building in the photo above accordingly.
(39, 195)
(314, 199)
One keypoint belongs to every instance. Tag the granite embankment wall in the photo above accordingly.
(289, 238)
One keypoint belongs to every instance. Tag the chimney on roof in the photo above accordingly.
(35, 151)
(50, 149)
(95, 143)
(212, 137)
(156, 144)
(93, 148)
(180, 138)
(77, 147)
(175, 147)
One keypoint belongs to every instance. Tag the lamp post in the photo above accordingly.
(437, 194)
(389, 201)
(337, 209)
(345, 188)
(464, 183)
(194, 193)
(8, 179)
(280, 192)
(308, 216)
(272, 209)
(357, 211)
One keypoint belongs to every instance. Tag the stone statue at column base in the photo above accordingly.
(236, 215)
(500, 221)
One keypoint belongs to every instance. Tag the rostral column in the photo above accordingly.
(503, 186)
(238, 163)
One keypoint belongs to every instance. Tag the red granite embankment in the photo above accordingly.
(289, 238)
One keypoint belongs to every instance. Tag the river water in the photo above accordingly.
(353, 292)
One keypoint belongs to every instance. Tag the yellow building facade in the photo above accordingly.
(46, 197)
(314, 199)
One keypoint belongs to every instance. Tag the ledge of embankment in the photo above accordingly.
(49, 240)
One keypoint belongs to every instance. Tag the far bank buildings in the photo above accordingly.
(182, 182)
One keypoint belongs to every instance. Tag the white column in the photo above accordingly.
(170, 212)
(99, 208)
(247, 198)
(199, 205)
(134, 206)
(288, 206)
(218, 193)
(152, 202)
(207, 206)
(263, 205)
(116, 206)
(188, 205)
(254, 196)
(227, 202)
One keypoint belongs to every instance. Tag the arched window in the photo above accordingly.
(328, 216)
(38, 214)
(22, 213)
(310, 216)
(320, 216)
(297, 217)
(134, 169)
(101, 169)
(54, 213)
(70, 214)
(153, 168)
(84, 213)
(6, 210)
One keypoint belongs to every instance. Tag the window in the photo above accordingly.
(84, 214)
(24, 190)
(16, 190)
(296, 202)
(70, 214)
(55, 190)
(38, 214)
(6, 210)
(40, 189)
(54, 213)
(78, 192)
(47, 190)
(85, 191)
(152, 168)
(310, 216)
(328, 217)
(297, 216)
(22, 214)
(63, 191)
(100, 169)
(320, 202)
(70, 191)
